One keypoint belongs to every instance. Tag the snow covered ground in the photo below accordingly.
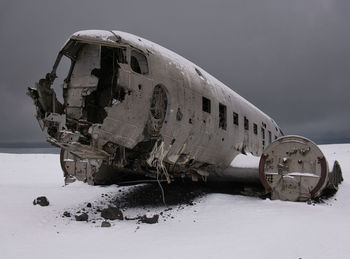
(217, 226)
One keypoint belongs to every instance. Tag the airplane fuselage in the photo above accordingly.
(135, 105)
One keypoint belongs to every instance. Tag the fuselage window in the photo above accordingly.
(198, 72)
(262, 133)
(222, 116)
(206, 106)
(263, 137)
(235, 118)
(246, 123)
(281, 132)
(138, 62)
(255, 129)
(270, 137)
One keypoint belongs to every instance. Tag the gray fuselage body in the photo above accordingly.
(205, 124)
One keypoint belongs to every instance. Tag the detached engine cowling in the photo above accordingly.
(293, 168)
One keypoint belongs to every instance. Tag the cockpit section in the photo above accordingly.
(100, 77)
(107, 117)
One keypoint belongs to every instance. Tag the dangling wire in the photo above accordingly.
(159, 160)
(161, 187)
(156, 159)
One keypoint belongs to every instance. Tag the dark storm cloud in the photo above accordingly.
(290, 58)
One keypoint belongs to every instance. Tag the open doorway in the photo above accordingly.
(107, 88)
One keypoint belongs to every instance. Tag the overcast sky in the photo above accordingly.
(290, 58)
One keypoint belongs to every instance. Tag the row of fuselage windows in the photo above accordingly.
(206, 107)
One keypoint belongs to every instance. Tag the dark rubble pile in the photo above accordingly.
(147, 197)
(150, 195)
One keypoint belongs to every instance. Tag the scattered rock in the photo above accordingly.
(42, 201)
(152, 220)
(112, 213)
(66, 214)
(82, 217)
(88, 205)
(105, 224)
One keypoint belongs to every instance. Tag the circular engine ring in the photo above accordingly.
(293, 168)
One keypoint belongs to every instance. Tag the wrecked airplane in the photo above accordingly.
(133, 107)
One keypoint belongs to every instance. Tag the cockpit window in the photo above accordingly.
(138, 63)
(121, 55)
(72, 49)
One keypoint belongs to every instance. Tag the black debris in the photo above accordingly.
(112, 213)
(66, 214)
(88, 205)
(152, 220)
(105, 224)
(149, 195)
(82, 217)
(42, 201)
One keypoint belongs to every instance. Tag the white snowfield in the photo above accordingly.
(217, 226)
